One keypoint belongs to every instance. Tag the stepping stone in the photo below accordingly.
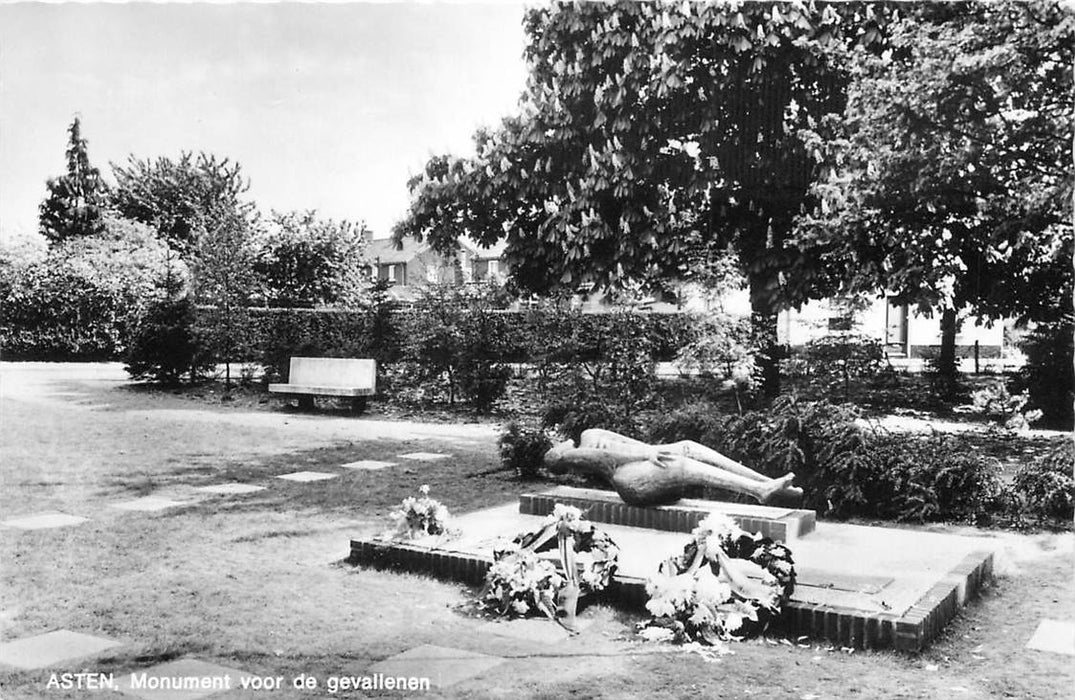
(1054, 636)
(184, 679)
(369, 464)
(424, 456)
(443, 666)
(43, 520)
(51, 648)
(148, 504)
(533, 629)
(230, 488)
(307, 476)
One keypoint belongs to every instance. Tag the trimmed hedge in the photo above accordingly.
(56, 314)
(274, 335)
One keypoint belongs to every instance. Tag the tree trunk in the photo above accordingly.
(763, 334)
(946, 361)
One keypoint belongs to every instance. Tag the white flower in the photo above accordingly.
(656, 634)
(424, 489)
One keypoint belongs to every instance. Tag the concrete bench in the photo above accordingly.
(330, 376)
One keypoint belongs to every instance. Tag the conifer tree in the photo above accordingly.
(76, 201)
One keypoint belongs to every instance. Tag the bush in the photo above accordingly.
(845, 469)
(522, 448)
(51, 311)
(1046, 489)
(834, 363)
(914, 478)
(587, 379)
(1047, 375)
(996, 402)
(166, 344)
(813, 439)
(453, 338)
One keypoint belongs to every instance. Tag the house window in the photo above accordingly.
(431, 274)
(494, 268)
(840, 323)
(392, 274)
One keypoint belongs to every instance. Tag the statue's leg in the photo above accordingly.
(707, 455)
(699, 473)
(601, 439)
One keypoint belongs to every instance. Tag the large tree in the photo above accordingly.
(648, 131)
(76, 201)
(305, 260)
(224, 277)
(182, 197)
(949, 178)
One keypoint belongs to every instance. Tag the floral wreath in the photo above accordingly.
(418, 517)
(746, 583)
(520, 581)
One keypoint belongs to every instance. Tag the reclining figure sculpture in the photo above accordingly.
(645, 474)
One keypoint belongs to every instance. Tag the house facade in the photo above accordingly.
(904, 332)
(415, 264)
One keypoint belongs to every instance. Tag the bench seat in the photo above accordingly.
(321, 390)
(308, 377)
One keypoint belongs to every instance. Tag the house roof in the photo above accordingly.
(384, 250)
(493, 252)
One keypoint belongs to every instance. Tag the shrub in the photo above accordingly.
(813, 439)
(166, 344)
(1047, 375)
(522, 448)
(1045, 489)
(601, 379)
(697, 421)
(915, 478)
(994, 401)
(454, 339)
(51, 311)
(844, 468)
(833, 363)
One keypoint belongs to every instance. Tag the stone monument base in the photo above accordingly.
(859, 587)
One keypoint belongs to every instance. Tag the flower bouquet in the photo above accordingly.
(726, 585)
(520, 582)
(420, 517)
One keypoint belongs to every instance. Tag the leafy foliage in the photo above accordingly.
(307, 261)
(912, 478)
(995, 401)
(597, 376)
(1045, 488)
(836, 362)
(223, 260)
(125, 256)
(1047, 376)
(522, 448)
(949, 173)
(453, 338)
(76, 201)
(53, 311)
(166, 343)
(179, 198)
(648, 132)
(844, 468)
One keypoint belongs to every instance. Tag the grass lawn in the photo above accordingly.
(256, 581)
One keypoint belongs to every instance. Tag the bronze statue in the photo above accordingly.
(645, 474)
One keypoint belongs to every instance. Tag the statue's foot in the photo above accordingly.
(780, 489)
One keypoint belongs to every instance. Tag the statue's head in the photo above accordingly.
(554, 457)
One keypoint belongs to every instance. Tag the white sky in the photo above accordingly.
(329, 107)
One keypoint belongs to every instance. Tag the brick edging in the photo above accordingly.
(839, 625)
(670, 518)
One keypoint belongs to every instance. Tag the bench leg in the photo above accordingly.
(358, 404)
(306, 403)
